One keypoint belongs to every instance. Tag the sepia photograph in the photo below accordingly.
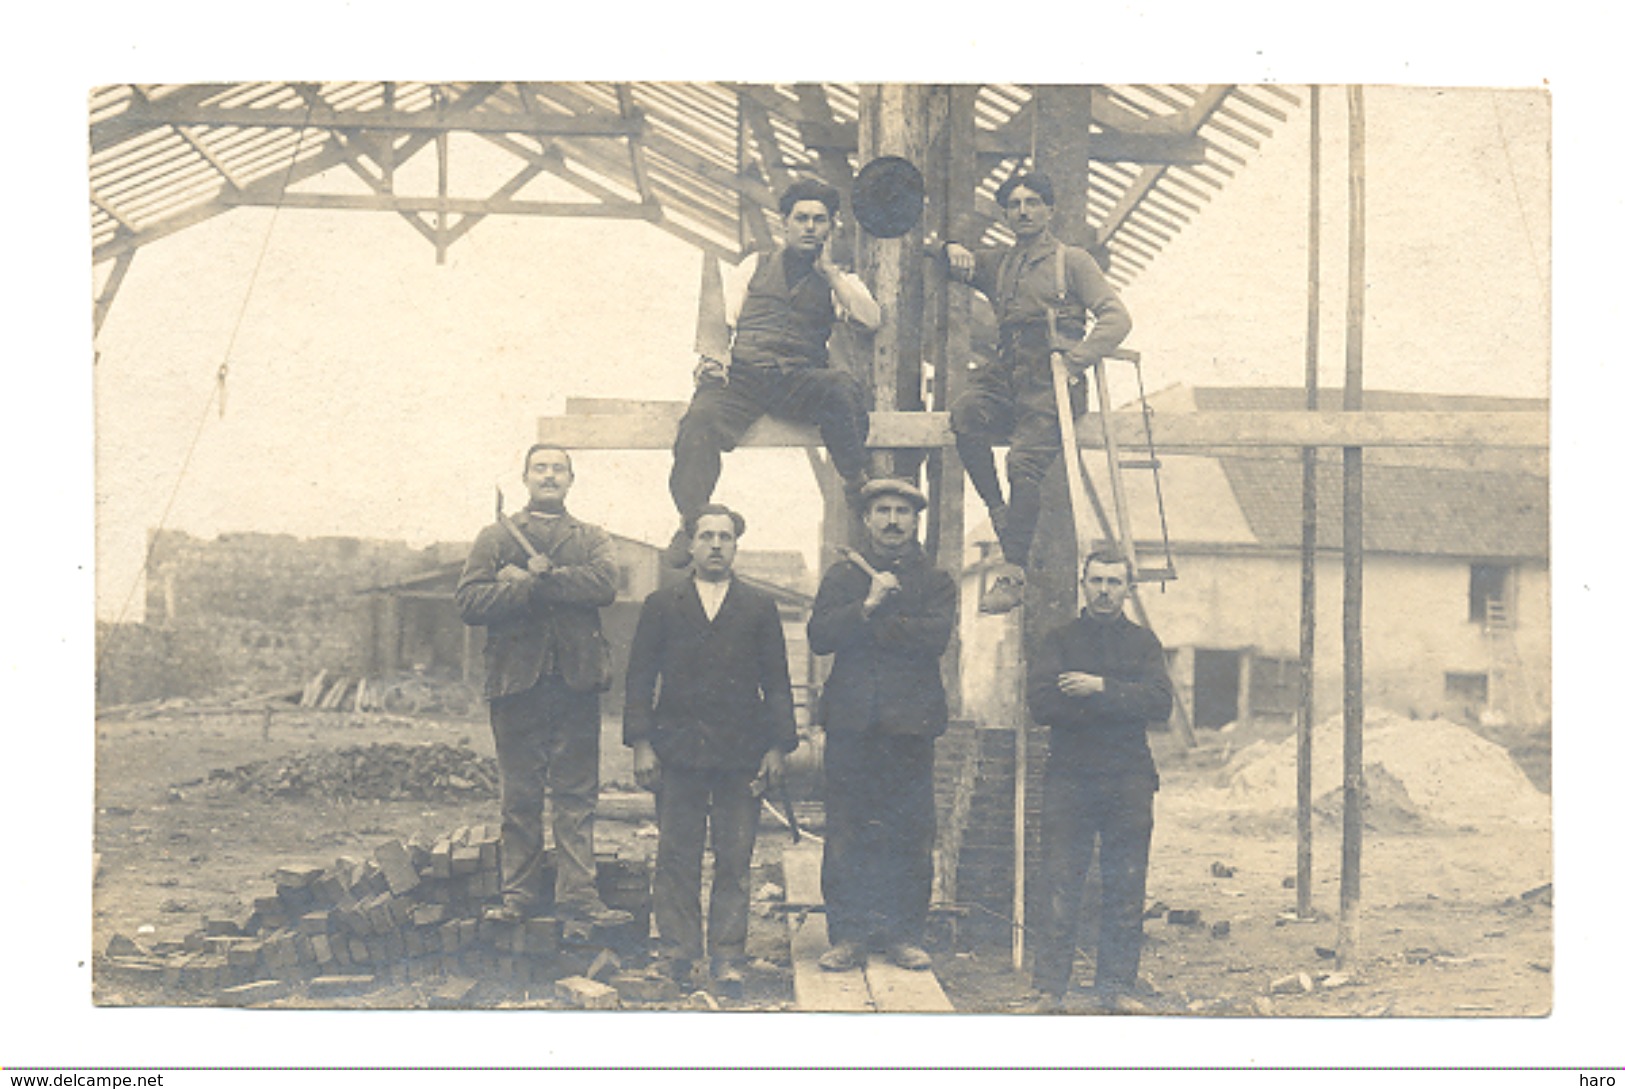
(617, 546)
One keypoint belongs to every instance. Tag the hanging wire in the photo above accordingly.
(217, 392)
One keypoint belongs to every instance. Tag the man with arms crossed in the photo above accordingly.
(710, 742)
(1097, 683)
(535, 582)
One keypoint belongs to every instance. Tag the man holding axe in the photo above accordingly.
(535, 582)
(709, 717)
(886, 614)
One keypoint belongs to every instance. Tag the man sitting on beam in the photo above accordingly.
(1013, 400)
(778, 363)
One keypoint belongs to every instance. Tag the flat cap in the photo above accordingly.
(892, 486)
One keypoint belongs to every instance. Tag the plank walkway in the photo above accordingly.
(881, 986)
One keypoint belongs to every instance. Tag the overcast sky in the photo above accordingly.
(373, 393)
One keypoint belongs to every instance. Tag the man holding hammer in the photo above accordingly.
(886, 614)
(535, 582)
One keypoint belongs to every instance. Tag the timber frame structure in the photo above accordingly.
(702, 161)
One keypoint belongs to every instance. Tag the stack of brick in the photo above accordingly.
(412, 911)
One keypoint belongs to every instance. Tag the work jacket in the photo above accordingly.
(887, 674)
(543, 625)
(1105, 731)
(723, 682)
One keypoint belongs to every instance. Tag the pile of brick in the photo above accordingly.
(387, 771)
(413, 911)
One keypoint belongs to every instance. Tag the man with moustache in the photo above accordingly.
(1097, 683)
(1012, 399)
(711, 741)
(546, 661)
(886, 614)
(779, 361)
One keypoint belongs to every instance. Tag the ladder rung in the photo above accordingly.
(1140, 463)
(1155, 574)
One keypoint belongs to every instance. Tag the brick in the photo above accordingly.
(465, 860)
(321, 948)
(329, 890)
(587, 994)
(645, 988)
(456, 993)
(327, 986)
(450, 936)
(400, 911)
(358, 951)
(120, 945)
(541, 936)
(488, 884)
(396, 863)
(414, 943)
(440, 859)
(249, 994)
(221, 928)
(295, 901)
(244, 954)
(429, 914)
(316, 922)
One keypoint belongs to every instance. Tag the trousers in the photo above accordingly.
(547, 742)
(721, 412)
(688, 801)
(1080, 807)
(880, 825)
(1012, 401)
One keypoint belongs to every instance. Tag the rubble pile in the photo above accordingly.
(387, 771)
(1419, 772)
(412, 912)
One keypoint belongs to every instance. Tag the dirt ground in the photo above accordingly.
(1454, 921)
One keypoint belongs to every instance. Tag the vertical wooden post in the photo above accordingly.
(1348, 922)
(891, 121)
(1306, 604)
(1061, 150)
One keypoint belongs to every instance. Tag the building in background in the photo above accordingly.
(1457, 575)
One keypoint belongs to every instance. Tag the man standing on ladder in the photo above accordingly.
(778, 361)
(1097, 683)
(1012, 399)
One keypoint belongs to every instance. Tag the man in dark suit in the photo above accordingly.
(710, 742)
(1097, 683)
(535, 582)
(886, 614)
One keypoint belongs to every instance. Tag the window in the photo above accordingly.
(1469, 689)
(1487, 593)
(1276, 683)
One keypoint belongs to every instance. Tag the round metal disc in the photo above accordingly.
(888, 196)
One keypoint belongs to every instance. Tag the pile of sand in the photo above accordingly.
(1419, 772)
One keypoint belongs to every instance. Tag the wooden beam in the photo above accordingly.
(760, 122)
(634, 145)
(430, 121)
(1186, 432)
(1107, 146)
(109, 291)
(464, 205)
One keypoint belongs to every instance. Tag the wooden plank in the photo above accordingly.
(803, 867)
(816, 989)
(1191, 432)
(465, 205)
(898, 990)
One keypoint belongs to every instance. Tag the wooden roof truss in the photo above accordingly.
(702, 161)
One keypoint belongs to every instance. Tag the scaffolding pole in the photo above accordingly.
(1348, 921)
(1306, 607)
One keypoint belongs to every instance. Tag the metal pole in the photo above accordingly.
(1348, 923)
(1306, 607)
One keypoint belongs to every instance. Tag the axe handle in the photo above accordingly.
(514, 531)
(857, 558)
